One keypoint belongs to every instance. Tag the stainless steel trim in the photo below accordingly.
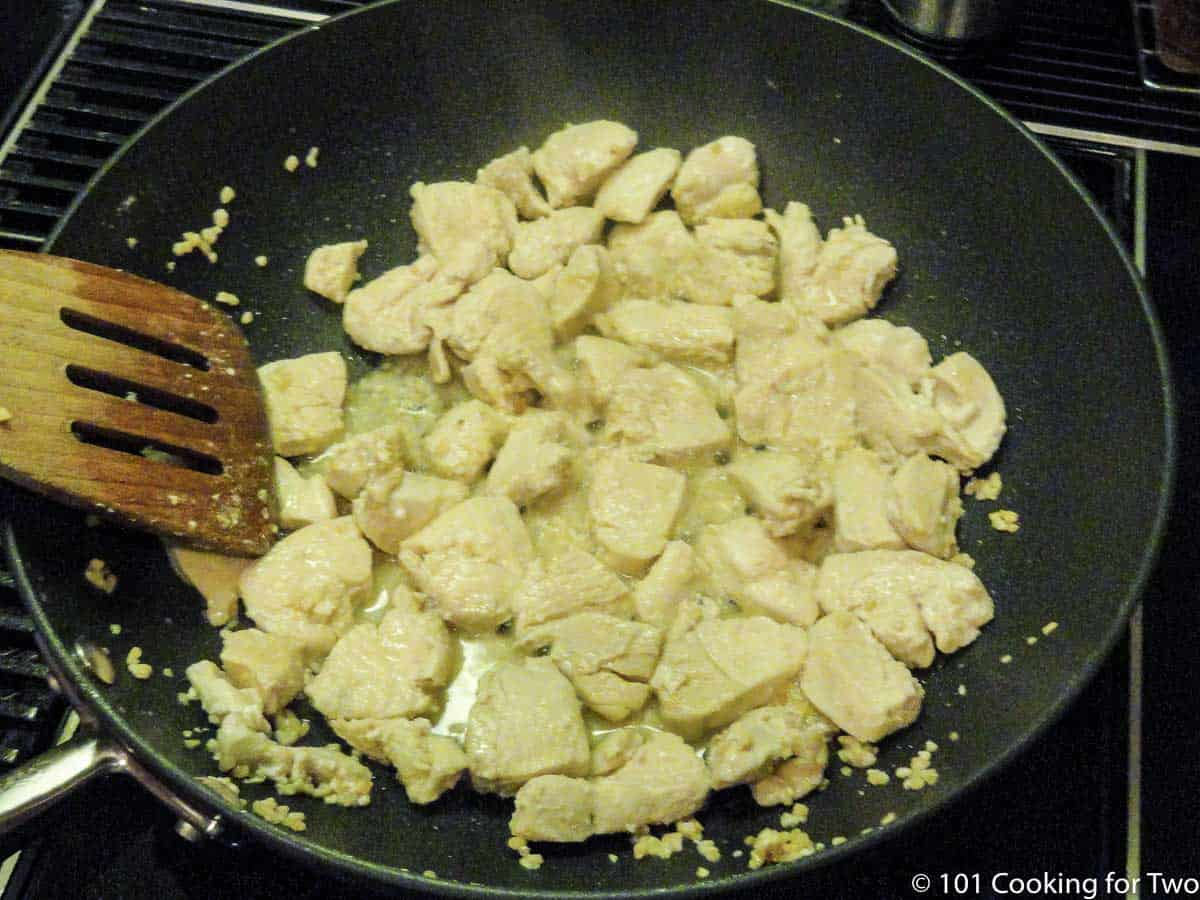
(1143, 47)
(260, 9)
(1116, 140)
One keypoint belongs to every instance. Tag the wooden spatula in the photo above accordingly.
(132, 400)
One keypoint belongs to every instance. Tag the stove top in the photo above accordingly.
(1063, 807)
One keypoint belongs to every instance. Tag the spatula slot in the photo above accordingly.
(139, 393)
(130, 338)
(151, 450)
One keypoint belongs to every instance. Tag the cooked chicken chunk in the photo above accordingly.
(635, 188)
(586, 286)
(971, 409)
(469, 561)
(308, 585)
(389, 670)
(711, 674)
(733, 256)
(574, 582)
(468, 228)
(526, 722)
(661, 414)
(615, 749)
(669, 581)
(332, 269)
(302, 501)
(924, 506)
(892, 418)
(554, 808)
(394, 313)
(799, 247)
(303, 397)
(589, 644)
(745, 563)
(269, 664)
(852, 679)
(898, 349)
(465, 439)
(788, 491)
(718, 180)
(652, 259)
(753, 746)
(853, 268)
(632, 507)
(350, 464)
(603, 363)
(803, 772)
(677, 330)
(427, 764)
(222, 699)
(397, 504)
(535, 459)
(215, 576)
(575, 161)
(543, 243)
(860, 503)
(512, 175)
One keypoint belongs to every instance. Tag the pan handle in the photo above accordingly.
(34, 787)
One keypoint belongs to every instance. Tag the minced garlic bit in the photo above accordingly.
(220, 217)
(1049, 628)
(931, 746)
(227, 298)
(877, 777)
(186, 697)
(855, 753)
(1031, 640)
(137, 668)
(429, 873)
(168, 672)
(201, 240)
(846, 771)
(662, 847)
(292, 163)
(227, 194)
(919, 773)
(690, 829)
(702, 872)
(709, 850)
(191, 743)
(1005, 520)
(612, 858)
(771, 846)
(171, 266)
(100, 576)
(114, 629)
(528, 859)
(838, 840)
(277, 814)
(798, 815)
(953, 736)
(984, 488)
(1006, 658)
(289, 727)
(247, 317)
(962, 690)
(310, 158)
(131, 242)
(261, 261)
(888, 819)
(226, 787)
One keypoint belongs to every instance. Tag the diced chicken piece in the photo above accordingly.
(711, 674)
(635, 188)
(215, 576)
(666, 585)
(878, 342)
(924, 506)
(222, 699)
(615, 749)
(860, 504)
(718, 180)
(652, 258)
(586, 286)
(664, 782)
(733, 256)
(575, 161)
(269, 664)
(852, 679)
(332, 269)
(803, 772)
(512, 175)
(427, 764)
(302, 501)
(535, 460)
(389, 670)
(468, 228)
(745, 563)
(308, 585)
(574, 582)
(544, 243)
(892, 418)
(349, 465)
(663, 415)
(394, 313)
(526, 722)
(971, 409)
(323, 772)
(465, 439)
(953, 602)
(303, 397)
(853, 268)
(677, 330)
(603, 363)
(485, 304)
(397, 504)
(554, 808)
(788, 491)
(770, 337)
(469, 561)
(591, 643)
(752, 747)
(799, 247)
(633, 506)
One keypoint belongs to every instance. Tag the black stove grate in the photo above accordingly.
(29, 709)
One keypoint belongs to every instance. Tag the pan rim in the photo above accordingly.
(344, 865)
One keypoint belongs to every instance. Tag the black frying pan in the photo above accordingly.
(1002, 253)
